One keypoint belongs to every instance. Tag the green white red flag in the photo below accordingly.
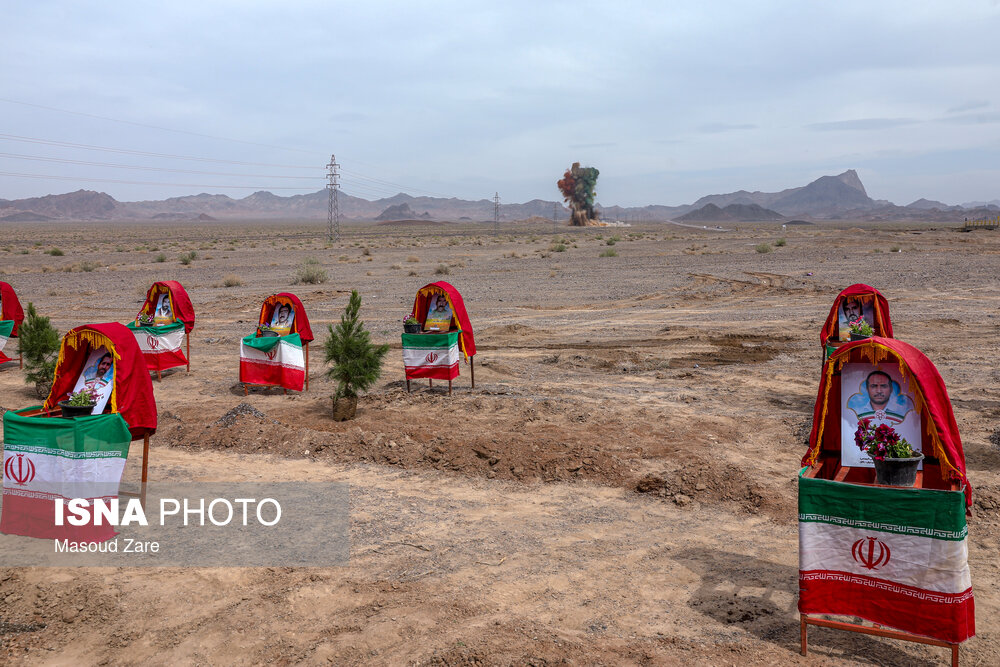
(49, 460)
(162, 346)
(274, 361)
(6, 327)
(894, 556)
(433, 356)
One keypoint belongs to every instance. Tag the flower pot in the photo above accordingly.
(897, 472)
(267, 333)
(857, 336)
(411, 328)
(70, 411)
(344, 408)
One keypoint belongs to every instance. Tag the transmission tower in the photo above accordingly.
(496, 213)
(333, 205)
(555, 209)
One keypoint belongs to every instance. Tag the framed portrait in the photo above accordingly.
(163, 314)
(438, 314)
(99, 376)
(282, 318)
(851, 308)
(880, 393)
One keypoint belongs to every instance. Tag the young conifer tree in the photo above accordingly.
(357, 362)
(38, 341)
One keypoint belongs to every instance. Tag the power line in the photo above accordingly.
(153, 127)
(185, 185)
(129, 166)
(126, 151)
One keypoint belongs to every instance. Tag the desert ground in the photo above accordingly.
(619, 488)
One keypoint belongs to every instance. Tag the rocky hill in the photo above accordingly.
(731, 213)
(826, 198)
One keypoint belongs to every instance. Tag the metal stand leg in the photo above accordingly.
(407, 385)
(449, 387)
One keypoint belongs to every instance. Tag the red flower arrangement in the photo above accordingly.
(882, 441)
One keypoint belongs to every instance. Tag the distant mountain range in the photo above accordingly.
(841, 197)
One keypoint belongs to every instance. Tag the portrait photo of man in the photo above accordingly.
(878, 393)
(98, 376)
(163, 314)
(851, 308)
(282, 319)
(438, 314)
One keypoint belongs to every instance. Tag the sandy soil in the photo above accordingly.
(618, 489)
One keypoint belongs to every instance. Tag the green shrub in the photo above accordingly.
(188, 257)
(88, 266)
(310, 273)
(55, 252)
(763, 248)
(610, 252)
(780, 243)
(232, 280)
(442, 270)
(558, 247)
(161, 257)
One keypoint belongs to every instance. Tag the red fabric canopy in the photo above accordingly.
(11, 307)
(420, 305)
(300, 324)
(179, 301)
(883, 324)
(941, 438)
(133, 389)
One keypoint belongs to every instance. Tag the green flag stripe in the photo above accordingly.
(930, 512)
(166, 328)
(265, 343)
(94, 436)
(430, 341)
(6, 326)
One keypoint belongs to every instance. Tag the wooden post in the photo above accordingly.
(145, 456)
(805, 620)
(430, 383)
(449, 387)
(472, 368)
(158, 377)
(804, 635)
(246, 392)
(407, 385)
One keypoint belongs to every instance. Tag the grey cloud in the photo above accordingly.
(969, 106)
(715, 128)
(974, 119)
(862, 124)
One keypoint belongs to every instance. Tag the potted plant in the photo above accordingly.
(79, 404)
(411, 324)
(896, 461)
(267, 332)
(144, 320)
(357, 362)
(860, 329)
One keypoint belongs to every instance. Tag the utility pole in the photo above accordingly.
(333, 204)
(496, 213)
(555, 209)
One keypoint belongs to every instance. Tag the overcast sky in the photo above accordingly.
(671, 101)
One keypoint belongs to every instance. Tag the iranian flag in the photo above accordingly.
(49, 460)
(891, 555)
(6, 327)
(162, 346)
(433, 356)
(276, 361)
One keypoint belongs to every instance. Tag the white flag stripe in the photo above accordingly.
(430, 356)
(47, 473)
(921, 562)
(285, 354)
(3, 342)
(156, 343)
